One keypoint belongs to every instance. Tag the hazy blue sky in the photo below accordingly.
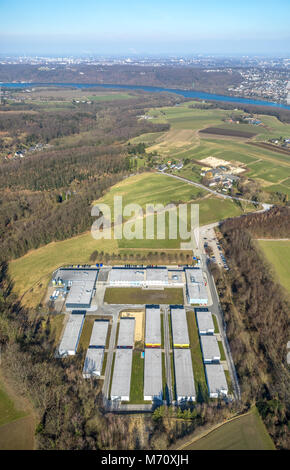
(152, 26)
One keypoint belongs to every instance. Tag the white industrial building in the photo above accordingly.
(127, 277)
(153, 375)
(93, 363)
(204, 322)
(180, 336)
(126, 332)
(216, 380)
(210, 349)
(70, 339)
(195, 287)
(176, 277)
(156, 277)
(99, 333)
(121, 383)
(153, 327)
(184, 380)
(79, 284)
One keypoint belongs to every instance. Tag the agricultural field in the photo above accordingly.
(277, 253)
(246, 432)
(184, 141)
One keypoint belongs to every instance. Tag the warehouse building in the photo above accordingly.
(204, 322)
(127, 277)
(126, 332)
(176, 277)
(216, 380)
(195, 287)
(79, 284)
(99, 334)
(156, 277)
(121, 382)
(210, 349)
(184, 380)
(93, 363)
(180, 336)
(70, 339)
(153, 375)
(153, 327)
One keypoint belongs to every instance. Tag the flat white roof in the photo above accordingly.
(216, 379)
(99, 333)
(153, 325)
(126, 275)
(210, 348)
(195, 285)
(93, 362)
(71, 333)
(157, 275)
(179, 326)
(126, 332)
(204, 321)
(153, 373)
(82, 285)
(184, 379)
(80, 294)
(122, 374)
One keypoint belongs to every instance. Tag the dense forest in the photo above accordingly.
(41, 194)
(173, 77)
(257, 315)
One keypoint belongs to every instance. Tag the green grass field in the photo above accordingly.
(135, 295)
(8, 411)
(244, 433)
(197, 361)
(17, 426)
(137, 378)
(277, 253)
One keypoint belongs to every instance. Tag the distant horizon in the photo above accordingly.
(157, 27)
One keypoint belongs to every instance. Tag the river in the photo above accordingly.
(186, 93)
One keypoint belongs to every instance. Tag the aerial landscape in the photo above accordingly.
(145, 228)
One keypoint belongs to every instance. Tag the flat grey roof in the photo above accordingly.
(157, 275)
(71, 333)
(99, 333)
(153, 326)
(80, 293)
(94, 361)
(175, 276)
(82, 283)
(126, 275)
(76, 274)
(195, 284)
(216, 378)
(153, 373)
(204, 321)
(126, 332)
(184, 379)
(210, 347)
(122, 373)
(179, 326)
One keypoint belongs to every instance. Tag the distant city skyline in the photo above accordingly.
(159, 27)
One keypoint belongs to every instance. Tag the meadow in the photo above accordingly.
(246, 432)
(31, 273)
(277, 253)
